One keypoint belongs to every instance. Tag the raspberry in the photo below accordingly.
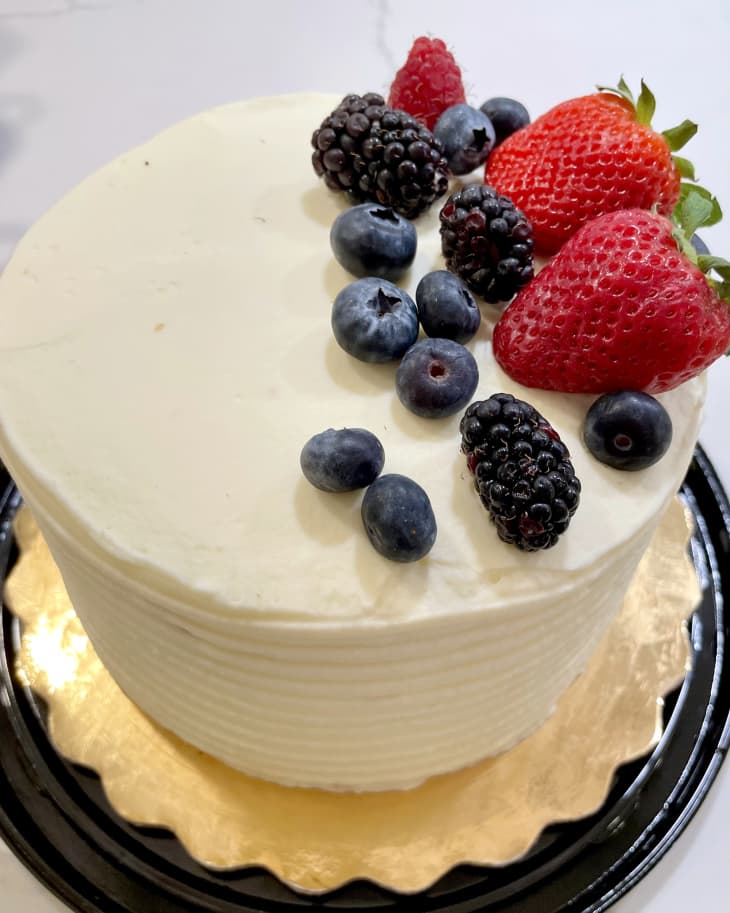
(373, 152)
(522, 471)
(487, 242)
(428, 83)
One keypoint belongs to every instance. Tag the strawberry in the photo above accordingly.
(589, 156)
(624, 305)
(428, 83)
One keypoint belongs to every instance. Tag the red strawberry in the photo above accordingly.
(428, 83)
(620, 307)
(586, 157)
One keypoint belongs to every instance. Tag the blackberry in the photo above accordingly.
(487, 241)
(374, 152)
(522, 471)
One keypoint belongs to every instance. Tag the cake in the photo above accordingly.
(165, 352)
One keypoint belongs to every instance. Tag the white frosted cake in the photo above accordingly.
(165, 352)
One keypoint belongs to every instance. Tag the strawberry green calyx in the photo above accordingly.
(678, 137)
(644, 107)
(707, 262)
(685, 168)
(698, 208)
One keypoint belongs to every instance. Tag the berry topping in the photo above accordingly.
(507, 116)
(467, 136)
(699, 245)
(428, 83)
(342, 460)
(522, 471)
(373, 240)
(619, 307)
(627, 430)
(436, 378)
(446, 307)
(589, 156)
(487, 242)
(398, 518)
(374, 320)
(373, 152)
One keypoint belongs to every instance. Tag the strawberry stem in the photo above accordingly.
(622, 89)
(698, 208)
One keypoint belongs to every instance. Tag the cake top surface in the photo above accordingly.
(165, 352)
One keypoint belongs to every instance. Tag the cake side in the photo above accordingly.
(364, 707)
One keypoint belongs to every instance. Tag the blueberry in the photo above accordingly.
(342, 460)
(374, 320)
(372, 240)
(506, 115)
(627, 430)
(699, 245)
(467, 137)
(398, 518)
(436, 378)
(446, 307)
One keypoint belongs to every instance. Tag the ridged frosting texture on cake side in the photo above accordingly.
(165, 352)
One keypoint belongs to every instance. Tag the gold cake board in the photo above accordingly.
(489, 814)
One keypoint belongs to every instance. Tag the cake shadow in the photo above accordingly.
(358, 376)
(334, 518)
(323, 206)
(426, 429)
(336, 278)
(328, 517)
(324, 278)
(383, 579)
(490, 557)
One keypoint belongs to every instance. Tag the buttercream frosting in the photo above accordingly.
(165, 352)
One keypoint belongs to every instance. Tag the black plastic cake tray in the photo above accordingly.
(56, 819)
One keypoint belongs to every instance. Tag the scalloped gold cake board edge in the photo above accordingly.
(315, 841)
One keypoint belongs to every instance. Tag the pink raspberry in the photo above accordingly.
(428, 83)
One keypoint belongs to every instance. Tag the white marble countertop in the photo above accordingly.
(83, 80)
